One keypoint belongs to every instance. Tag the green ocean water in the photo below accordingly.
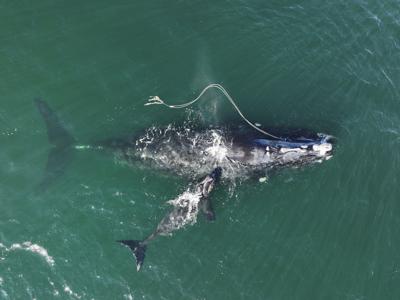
(330, 231)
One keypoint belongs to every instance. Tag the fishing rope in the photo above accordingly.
(156, 100)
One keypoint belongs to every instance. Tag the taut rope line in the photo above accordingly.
(156, 100)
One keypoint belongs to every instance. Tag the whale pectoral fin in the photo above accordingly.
(206, 186)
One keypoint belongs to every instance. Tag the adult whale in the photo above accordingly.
(193, 153)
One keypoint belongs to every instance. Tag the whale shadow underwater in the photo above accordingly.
(206, 157)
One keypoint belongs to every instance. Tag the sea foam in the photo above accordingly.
(34, 248)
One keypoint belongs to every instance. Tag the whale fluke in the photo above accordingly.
(61, 140)
(138, 248)
(58, 135)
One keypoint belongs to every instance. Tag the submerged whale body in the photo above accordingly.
(202, 155)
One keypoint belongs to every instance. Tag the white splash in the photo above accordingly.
(68, 290)
(55, 291)
(84, 147)
(34, 248)
(218, 149)
(190, 201)
(9, 132)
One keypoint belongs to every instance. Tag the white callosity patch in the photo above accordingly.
(34, 248)
(323, 148)
(262, 179)
(286, 150)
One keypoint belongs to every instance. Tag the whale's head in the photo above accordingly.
(324, 147)
(292, 151)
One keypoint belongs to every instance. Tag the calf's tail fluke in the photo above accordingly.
(59, 137)
(138, 248)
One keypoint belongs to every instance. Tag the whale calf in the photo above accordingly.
(184, 212)
(203, 155)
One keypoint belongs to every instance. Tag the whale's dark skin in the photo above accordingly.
(239, 152)
(193, 153)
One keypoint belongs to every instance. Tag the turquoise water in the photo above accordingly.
(330, 231)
